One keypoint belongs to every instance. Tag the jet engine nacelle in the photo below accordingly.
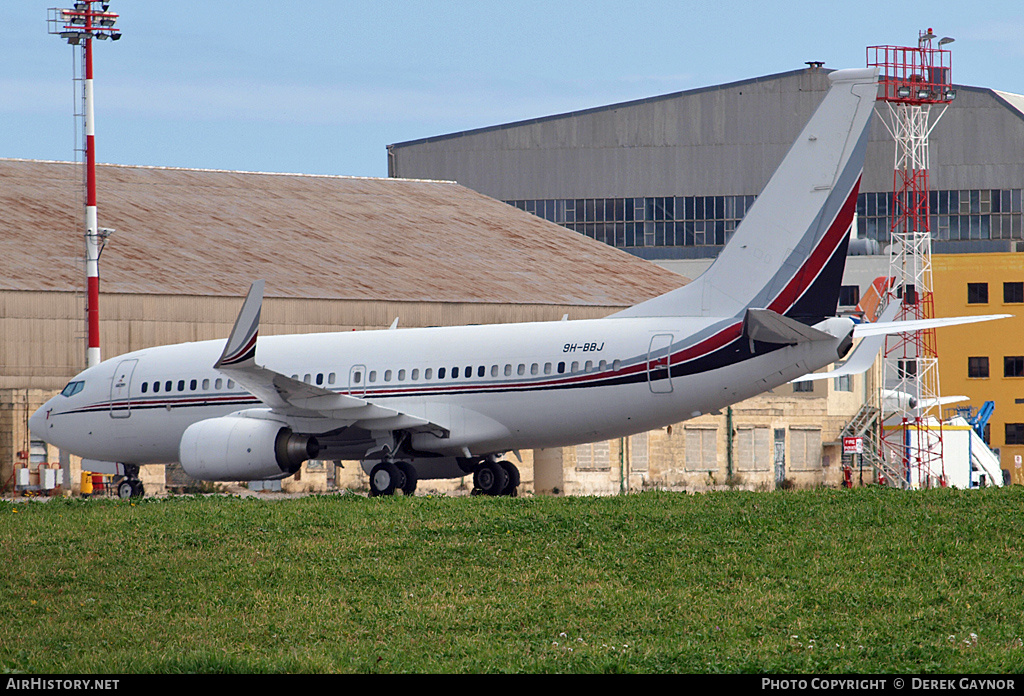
(232, 448)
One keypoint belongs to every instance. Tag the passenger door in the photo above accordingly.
(120, 389)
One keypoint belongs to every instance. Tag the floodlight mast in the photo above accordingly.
(88, 20)
(912, 80)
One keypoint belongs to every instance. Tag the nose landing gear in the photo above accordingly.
(129, 485)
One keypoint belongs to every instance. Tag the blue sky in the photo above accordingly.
(323, 87)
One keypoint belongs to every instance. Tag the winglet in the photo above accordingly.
(241, 345)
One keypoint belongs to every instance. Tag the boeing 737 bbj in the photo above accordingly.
(446, 402)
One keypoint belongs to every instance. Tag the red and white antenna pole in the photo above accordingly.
(915, 85)
(79, 26)
(92, 241)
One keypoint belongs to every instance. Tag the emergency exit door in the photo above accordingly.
(658, 376)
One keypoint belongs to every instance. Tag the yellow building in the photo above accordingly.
(985, 361)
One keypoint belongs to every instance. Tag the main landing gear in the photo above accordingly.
(388, 477)
(496, 478)
(490, 477)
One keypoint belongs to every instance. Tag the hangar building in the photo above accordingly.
(669, 177)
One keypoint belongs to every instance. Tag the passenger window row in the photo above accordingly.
(467, 372)
(193, 385)
(401, 375)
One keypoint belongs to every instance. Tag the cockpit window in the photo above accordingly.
(73, 388)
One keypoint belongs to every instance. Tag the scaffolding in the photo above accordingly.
(915, 89)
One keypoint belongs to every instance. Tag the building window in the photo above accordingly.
(639, 452)
(753, 449)
(1013, 293)
(593, 456)
(849, 295)
(1013, 366)
(843, 383)
(1015, 433)
(977, 293)
(906, 369)
(805, 449)
(805, 386)
(977, 367)
(701, 449)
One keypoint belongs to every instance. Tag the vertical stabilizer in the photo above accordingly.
(789, 252)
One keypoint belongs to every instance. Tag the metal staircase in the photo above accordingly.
(865, 424)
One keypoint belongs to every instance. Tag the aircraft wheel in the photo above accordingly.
(409, 487)
(125, 489)
(138, 491)
(491, 478)
(512, 487)
(385, 478)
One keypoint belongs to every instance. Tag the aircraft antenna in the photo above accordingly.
(85, 21)
(915, 89)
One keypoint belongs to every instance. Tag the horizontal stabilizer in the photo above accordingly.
(863, 356)
(874, 333)
(766, 326)
(880, 328)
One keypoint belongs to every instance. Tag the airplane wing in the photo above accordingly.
(293, 398)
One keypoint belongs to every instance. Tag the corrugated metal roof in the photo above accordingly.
(202, 232)
(608, 107)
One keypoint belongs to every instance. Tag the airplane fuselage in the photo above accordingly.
(493, 388)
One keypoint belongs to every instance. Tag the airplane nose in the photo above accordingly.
(37, 422)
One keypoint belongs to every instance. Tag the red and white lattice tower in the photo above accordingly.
(85, 21)
(915, 89)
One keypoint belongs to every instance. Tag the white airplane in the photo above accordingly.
(428, 403)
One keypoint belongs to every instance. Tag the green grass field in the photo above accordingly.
(865, 581)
